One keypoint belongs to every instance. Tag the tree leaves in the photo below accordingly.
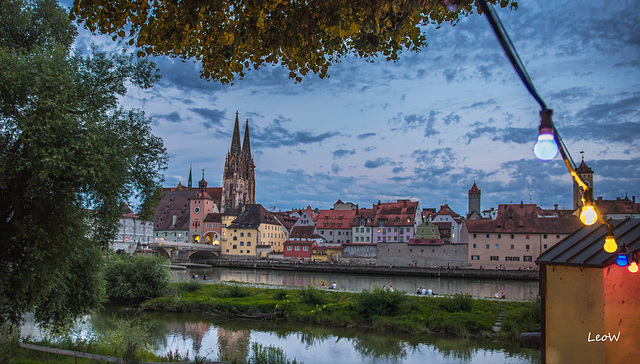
(230, 37)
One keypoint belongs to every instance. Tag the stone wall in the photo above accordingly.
(435, 256)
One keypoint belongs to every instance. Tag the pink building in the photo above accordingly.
(395, 222)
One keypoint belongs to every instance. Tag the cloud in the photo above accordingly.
(451, 118)
(378, 162)
(366, 135)
(275, 135)
(406, 123)
(339, 153)
(335, 168)
(505, 135)
(174, 117)
(213, 117)
(481, 104)
(397, 169)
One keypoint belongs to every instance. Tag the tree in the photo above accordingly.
(69, 157)
(231, 36)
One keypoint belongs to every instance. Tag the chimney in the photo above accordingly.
(633, 198)
(556, 206)
(175, 220)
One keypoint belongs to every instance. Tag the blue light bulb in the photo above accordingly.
(546, 147)
(622, 260)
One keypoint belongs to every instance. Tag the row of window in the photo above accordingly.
(304, 248)
(242, 251)
(395, 230)
(395, 238)
(331, 232)
(526, 258)
(544, 236)
(527, 246)
(364, 239)
(363, 230)
(350, 249)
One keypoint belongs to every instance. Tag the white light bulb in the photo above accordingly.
(546, 147)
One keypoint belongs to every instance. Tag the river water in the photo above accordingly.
(513, 289)
(215, 338)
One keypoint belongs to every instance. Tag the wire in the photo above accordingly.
(510, 50)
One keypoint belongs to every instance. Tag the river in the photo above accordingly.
(192, 334)
(513, 289)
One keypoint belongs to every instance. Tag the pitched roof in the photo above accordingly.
(584, 247)
(252, 215)
(366, 216)
(583, 168)
(213, 217)
(300, 232)
(175, 202)
(399, 213)
(474, 189)
(522, 219)
(341, 219)
(618, 207)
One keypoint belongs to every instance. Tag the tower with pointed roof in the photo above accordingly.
(587, 176)
(474, 201)
(238, 180)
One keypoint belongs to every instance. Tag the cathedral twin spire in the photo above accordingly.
(236, 149)
(238, 183)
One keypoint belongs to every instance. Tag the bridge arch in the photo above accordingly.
(202, 256)
(163, 252)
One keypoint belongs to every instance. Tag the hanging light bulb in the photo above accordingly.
(633, 267)
(610, 244)
(622, 260)
(546, 148)
(588, 216)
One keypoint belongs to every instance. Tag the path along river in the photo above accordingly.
(513, 289)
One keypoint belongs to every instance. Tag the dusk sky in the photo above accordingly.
(425, 127)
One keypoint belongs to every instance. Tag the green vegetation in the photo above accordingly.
(458, 315)
(133, 279)
(70, 156)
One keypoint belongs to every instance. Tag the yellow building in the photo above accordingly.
(590, 304)
(252, 229)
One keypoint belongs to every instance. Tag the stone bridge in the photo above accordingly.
(185, 252)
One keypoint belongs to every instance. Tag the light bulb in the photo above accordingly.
(633, 267)
(546, 147)
(622, 260)
(588, 215)
(610, 245)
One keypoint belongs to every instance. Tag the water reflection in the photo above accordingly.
(516, 289)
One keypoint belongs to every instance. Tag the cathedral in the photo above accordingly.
(194, 214)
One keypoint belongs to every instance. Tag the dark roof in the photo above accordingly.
(583, 248)
(176, 202)
(618, 206)
(474, 189)
(583, 168)
(303, 232)
(213, 217)
(524, 219)
(251, 216)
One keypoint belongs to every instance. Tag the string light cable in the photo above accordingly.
(548, 134)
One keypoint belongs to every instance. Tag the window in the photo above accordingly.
(512, 236)
(474, 246)
(235, 238)
(305, 248)
(249, 235)
(495, 257)
(487, 246)
(248, 251)
(240, 251)
(235, 246)
(475, 257)
(508, 259)
(368, 239)
(215, 225)
(499, 236)
(544, 246)
(208, 225)
(527, 236)
(248, 243)
(558, 236)
(544, 236)
(528, 247)
(497, 246)
(289, 248)
(513, 246)
(242, 243)
(242, 235)
(516, 259)
(488, 236)
(474, 236)
(528, 258)
(297, 248)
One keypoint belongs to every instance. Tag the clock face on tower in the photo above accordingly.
(196, 210)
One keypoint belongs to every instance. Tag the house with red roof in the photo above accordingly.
(335, 225)
(395, 222)
(449, 223)
(299, 250)
(516, 238)
(362, 226)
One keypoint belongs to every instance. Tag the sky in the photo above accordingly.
(427, 126)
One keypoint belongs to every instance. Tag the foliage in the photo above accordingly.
(133, 279)
(379, 302)
(261, 354)
(521, 317)
(457, 302)
(312, 296)
(234, 291)
(69, 157)
(231, 37)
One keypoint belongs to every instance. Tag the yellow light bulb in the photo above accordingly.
(633, 267)
(588, 215)
(610, 245)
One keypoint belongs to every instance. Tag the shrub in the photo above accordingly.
(280, 294)
(234, 291)
(312, 296)
(379, 302)
(457, 303)
(270, 354)
(133, 279)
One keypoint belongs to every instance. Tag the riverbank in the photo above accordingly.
(380, 270)
(457, 315)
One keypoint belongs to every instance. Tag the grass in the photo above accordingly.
(458, 315)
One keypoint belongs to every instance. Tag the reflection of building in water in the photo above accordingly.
(196, 330)
(233, 344)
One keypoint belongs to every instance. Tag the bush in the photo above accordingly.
(457, 303)
(133, 279)
(262, 354)
(234, 292)
(379, 302)
(312, 296)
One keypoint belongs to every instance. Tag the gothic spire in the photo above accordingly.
(189, 182)
(246, 144)
(235, 141)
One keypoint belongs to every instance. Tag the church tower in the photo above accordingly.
(587, 176)
(238, 180)
(474, 201)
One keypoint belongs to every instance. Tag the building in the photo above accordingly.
(335, 225)
(253, 228)
(620, 208)
(299, 250)
(132, 233)
(427, 230)
(518, 235)
(586, 174)
(449, 223)
(590, 304)
(474, 203)
(238, 181)
(396, 221)
(362, 226)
